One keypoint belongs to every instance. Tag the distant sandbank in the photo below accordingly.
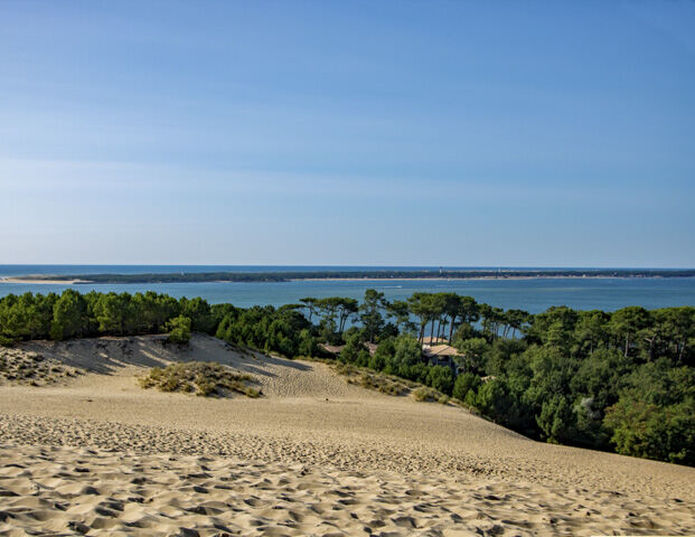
(30, 280)
(347, 276)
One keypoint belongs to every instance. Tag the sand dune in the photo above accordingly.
(315, 456)
(279, 377)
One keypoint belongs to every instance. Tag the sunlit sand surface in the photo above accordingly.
(96, 454)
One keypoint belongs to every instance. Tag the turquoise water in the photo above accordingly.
(532, 295)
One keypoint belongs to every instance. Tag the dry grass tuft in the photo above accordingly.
(207, 379)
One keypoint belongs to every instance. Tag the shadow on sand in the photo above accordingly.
(107, 355)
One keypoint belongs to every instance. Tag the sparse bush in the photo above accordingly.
(204, 378)
(373, 380)
(466, 382)
(440, 378)
(389, 384)
(179, 330)
(6, 342)
(425, 394)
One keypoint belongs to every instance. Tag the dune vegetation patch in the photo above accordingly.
(426, 394)
(207, 379)
(388, 384)
(373, 380)
(19, 367)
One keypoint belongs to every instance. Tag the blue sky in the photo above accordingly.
(354, 132)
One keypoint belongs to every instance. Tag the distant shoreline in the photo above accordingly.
(40, 281)
(328, 276)
(482, 278)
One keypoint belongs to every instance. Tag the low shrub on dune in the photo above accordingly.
(373, 380)
(208, 379)
(428, 395)
(389, 384)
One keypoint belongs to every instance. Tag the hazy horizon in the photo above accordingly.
(348, 133)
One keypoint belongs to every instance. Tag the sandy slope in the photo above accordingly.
(315, 456)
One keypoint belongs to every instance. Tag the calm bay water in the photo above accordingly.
(532, 295)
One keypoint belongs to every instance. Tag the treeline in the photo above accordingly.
(74, 315)
(284, 276)
(622, 381)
